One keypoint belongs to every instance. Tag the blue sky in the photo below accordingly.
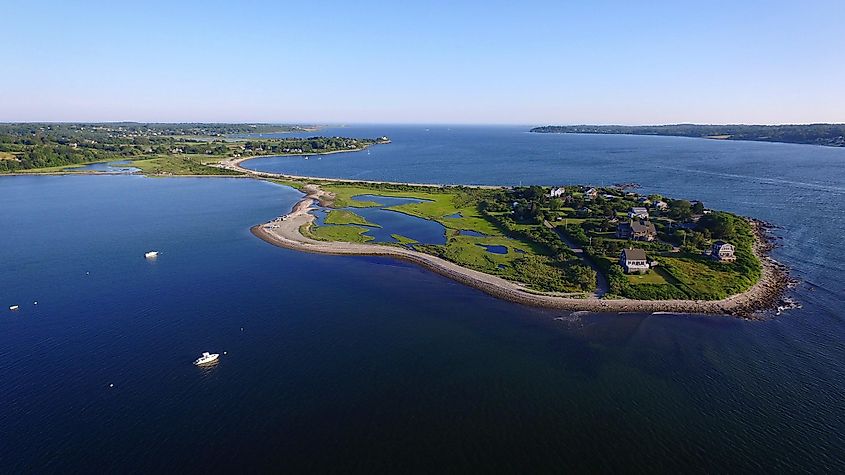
(437, 62)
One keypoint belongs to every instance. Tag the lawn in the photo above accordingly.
(652, 277)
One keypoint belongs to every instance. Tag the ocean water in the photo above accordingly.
(363, 364)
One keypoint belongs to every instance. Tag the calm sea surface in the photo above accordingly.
(371, 365)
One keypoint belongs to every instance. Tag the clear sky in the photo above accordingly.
(555, 62)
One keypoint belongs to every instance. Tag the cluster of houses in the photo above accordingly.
(638, 227)
(635, 261)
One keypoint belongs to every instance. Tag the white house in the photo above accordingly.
(591, 193)
(638, 212)
(661, 205)
(634, 261)
(557, 192)
(723, 251)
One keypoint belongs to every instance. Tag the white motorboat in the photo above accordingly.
(151, 254)
(207, 358)
(13, 308)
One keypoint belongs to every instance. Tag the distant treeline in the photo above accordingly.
(30, 145)
(99, 130)
(816, 134)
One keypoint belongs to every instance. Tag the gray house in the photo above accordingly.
(637, 230)
(634, 261)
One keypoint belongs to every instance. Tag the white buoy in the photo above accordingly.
(225, 353)
(35, 303)
(111, 385)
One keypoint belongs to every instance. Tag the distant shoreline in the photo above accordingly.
(825, 135)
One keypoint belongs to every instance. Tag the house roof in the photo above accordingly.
(633, 255)
(643, 227)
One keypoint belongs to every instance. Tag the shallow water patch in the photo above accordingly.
(494, 248)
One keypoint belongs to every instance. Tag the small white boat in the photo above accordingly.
(207, 358)
(151, 254)
(14, 307)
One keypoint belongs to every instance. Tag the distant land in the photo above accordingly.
(156, 148)
(831, 135)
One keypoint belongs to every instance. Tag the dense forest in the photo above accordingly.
(815, 134)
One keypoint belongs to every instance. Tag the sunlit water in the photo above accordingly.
(368, 364)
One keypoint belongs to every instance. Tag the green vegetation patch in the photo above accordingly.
(652, 277)
(339, 216)
(404, 240)
(180, 165)
(348, 233)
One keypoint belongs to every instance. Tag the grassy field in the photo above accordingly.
(350, 233)
(7, 156)
(652, 277)
(403, 239)
(344, 194)
(56, 169)
(183, 164)
(340, 216)
(705, 278)
(456, 210)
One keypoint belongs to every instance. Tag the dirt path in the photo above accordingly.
(602, 286)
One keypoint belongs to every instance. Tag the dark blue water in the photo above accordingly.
(494, 249)
(368, 364)
(423, 231)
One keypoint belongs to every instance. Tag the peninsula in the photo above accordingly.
(568, 248)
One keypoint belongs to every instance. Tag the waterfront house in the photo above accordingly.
(661, 205)
(637, 230)
(591, 193)
(557, 192)
(638, 212)
(723, 252)
(634, 261)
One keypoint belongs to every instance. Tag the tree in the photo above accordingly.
(720, 225)
(583, 276)
(680, 209)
